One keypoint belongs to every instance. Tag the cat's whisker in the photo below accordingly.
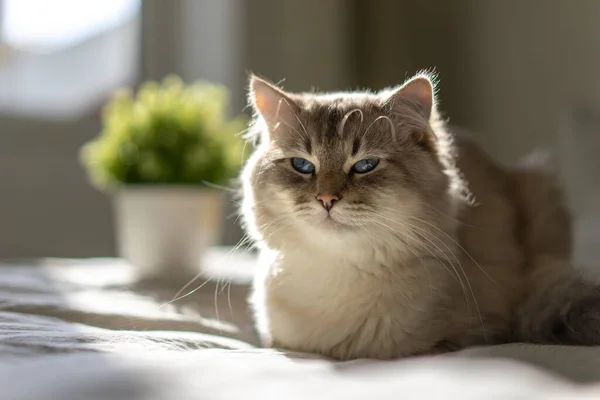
(190, 292)
(244, 240)
(265, 228)
(399, 236)
(217, 304)
(458, 220)
(272, 221)
(243, 155)
(221, 187)
(409, 248)
(464, 273)
(280, 229)
(422, 233)
(406, 223)
(396, 212)
(413, 217)
(461, 247)
(239, 204)
(300, 135)
(229, 301)
(453, 267)
(291, 109)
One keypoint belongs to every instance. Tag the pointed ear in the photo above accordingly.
(417, 91)
(416, 94)
(273, 104)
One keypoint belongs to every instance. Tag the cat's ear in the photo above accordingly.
(416, 94)
(417, 91)
(273, 104)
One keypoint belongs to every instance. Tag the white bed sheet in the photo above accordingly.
(88, 330)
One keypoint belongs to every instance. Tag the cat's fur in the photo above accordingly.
(436, 249)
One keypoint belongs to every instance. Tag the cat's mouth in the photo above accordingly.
(331, 222)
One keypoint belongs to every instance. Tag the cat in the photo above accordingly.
(384, 234)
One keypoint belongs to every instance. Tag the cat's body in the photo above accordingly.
(397, 260)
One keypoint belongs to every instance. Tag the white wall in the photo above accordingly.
(306, 44)
(525, 63)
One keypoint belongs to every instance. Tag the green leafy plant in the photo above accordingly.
(166, 133)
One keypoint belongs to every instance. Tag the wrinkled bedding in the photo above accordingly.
(88, 329)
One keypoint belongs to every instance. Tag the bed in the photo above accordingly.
(88, 329)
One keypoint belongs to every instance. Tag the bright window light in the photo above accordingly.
(51, 25)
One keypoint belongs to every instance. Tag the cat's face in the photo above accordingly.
(344, 165)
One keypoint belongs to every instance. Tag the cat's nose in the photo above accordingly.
(328, 200)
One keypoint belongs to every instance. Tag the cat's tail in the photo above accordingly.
(561, 305)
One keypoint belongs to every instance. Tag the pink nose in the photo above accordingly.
(328, 200)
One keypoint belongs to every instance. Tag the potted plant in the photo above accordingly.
(160, 154)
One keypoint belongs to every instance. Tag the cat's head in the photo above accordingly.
(344, 167)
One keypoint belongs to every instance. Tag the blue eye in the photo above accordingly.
(303, 166)
(364, 166)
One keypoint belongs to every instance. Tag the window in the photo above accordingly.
(61, 58)
(52, 25)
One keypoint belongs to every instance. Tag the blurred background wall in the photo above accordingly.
(510, 70)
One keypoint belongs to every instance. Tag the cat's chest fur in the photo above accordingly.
(342, 306)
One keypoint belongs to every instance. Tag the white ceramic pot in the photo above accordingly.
(164, 230)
